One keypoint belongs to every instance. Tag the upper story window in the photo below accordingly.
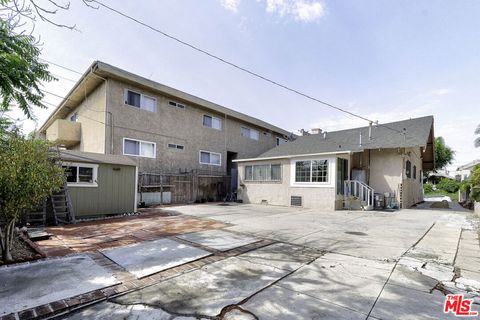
(415, 172)
(212, 158)
(280, 141)
(249, 133)
(141, 101)
(132, 147)
(264, 172)
(212, 122)
(176, 104)
(74, 117)
(176, 146)
(408, 169)
(81, 174)
(311, 171)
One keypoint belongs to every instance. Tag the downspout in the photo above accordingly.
(107, 87)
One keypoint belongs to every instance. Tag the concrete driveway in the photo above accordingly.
(315, 265)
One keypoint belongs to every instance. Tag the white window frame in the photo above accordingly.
(139, 148)
(176, 104)
(93, 184)
(330, 183)
(269, 170)
(175, 146)
(142, 97)
(213, 118)
(250, 130)
(211, 152)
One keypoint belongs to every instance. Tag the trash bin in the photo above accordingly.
(379, 201)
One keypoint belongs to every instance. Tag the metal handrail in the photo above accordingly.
(360, 190)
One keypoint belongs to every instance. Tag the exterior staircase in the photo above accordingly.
(62, 206)
(358, 195)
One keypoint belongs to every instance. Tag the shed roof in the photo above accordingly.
(418, 133)
(91, 157)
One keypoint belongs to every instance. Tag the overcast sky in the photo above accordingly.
(385, 60)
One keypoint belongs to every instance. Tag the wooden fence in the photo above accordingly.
(186, 187)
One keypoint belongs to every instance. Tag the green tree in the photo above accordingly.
(29, 174)
(21, 72)
(443, 154)
(448, 185)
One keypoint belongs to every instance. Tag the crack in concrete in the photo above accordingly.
(274, 283)
(172, 313)
(231, 307)
(395, 266)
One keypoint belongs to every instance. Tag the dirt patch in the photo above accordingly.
(440, 205)
(22, 251)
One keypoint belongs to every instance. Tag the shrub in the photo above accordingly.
(428, 188)
(27, 175)
(448, 185)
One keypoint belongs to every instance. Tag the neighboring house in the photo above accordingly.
(100, 184)
(112, 111)
(463, 173)
(330, 170)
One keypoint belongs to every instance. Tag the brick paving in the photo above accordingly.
(92, 236)
(128, 282)
(116, 232)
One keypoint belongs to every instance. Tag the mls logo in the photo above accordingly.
(456, 304)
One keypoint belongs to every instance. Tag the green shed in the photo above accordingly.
(100, 184)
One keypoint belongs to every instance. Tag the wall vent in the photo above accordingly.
(296, 201)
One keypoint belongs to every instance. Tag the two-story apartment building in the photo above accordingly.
(164, 130)
(112, 111)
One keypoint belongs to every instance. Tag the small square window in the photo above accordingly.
(133, 99)
(212, 158)
(212, 122)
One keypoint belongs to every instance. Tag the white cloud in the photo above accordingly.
(231, 5)
(300, 10)
(308, 12)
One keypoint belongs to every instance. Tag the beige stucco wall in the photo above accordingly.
(279, 193)
(64, 132)
(387, 173)
(386, 167)
(412, 188)
(180, 126)
(92, 117)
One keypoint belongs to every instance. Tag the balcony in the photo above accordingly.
(64, 132)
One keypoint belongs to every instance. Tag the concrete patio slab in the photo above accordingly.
(113, 311)
(219, 239)
(29, 285)
(281, 255)
(402, 303)
(277, 303)
(150, 257)
(204, 292)
(347, 282)
(409, 278)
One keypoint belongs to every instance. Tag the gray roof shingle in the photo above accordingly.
(417, 134)
(91, 157)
